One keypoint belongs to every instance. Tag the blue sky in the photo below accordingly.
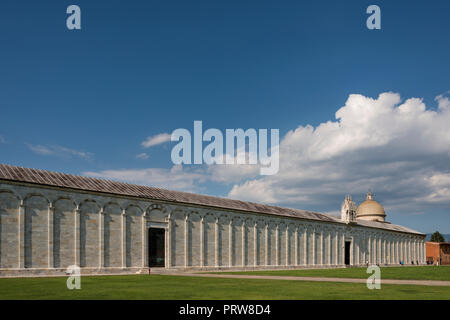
(84, 101)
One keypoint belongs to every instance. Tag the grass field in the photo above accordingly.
(399, 273)
(179, 287)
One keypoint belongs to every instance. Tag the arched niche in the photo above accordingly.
(194, 238)
(9, 228)
(133, 223)
(177, 237)
(112, 234)
(63, 232)
(89, 233)
(209, 227)
(36, 231)
(157, 213)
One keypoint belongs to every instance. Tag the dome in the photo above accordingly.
(370, 210)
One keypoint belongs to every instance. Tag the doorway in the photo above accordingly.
(347, 252)
(156, 247)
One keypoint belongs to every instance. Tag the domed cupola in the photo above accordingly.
(370, 210)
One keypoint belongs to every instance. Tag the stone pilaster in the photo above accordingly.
(50, 222)
(123, 219)
(296, 244)
(379, 249)
(329, 248)
(169, 241)
(101, 239)
(388, 251)
(393, 260)
(202, 240)
(77, 238)
(186, 240)
(287, 244)
(266, 244)
(255, 243)
(313, 244)
(216, 240)
(277, 245)
(21, 235)
(422, 251)
(336, 245)
(230, 242)
(243, 242)
(144, 245)
(410, 256)
(424, 258)
(305, 246)
(397, 250)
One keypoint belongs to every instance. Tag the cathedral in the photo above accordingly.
(50, 221)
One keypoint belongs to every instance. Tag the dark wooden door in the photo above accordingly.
(156, 247)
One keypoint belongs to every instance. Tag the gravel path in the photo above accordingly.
(321, 279)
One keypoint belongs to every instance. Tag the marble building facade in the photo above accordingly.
(49, 221)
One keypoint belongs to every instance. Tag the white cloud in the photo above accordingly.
(399, 149)
(443, 101)
(59, 151)
(232, 173)
(142, 156)
(176, 178)
(156, 139)
(2, 139)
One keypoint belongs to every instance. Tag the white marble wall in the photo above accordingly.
(43, 227)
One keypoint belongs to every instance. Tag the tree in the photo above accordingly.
(437, 237)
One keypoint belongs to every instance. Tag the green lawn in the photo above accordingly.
(178, 287)
(400, 273)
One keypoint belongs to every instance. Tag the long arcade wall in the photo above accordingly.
(46, 227)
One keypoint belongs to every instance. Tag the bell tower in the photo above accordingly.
(348, 210)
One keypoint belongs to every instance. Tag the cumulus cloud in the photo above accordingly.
(156, 140)
(175, 178)
(59, 151)
(399, 149)
(233, 173)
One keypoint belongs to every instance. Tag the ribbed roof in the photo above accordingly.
(62, 180)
